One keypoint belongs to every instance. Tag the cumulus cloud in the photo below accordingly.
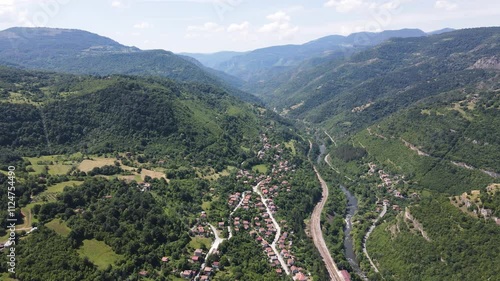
(243, 27)
(7, 7)
(205, 30)
(344, 6)
(142, 25)
(445, 5)
(116, 4)
(280, 24)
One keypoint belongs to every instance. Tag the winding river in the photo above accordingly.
(352, 208)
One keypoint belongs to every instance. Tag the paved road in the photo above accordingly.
(231, 215)
(278, 230)
(213, 249)
(317, 234)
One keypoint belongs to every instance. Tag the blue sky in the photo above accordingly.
(215, 25)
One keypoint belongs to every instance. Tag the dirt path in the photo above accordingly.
(334, 142)
(317, 234)
(365, 251)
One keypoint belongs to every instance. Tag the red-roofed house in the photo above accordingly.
(346, 275)
(300, 277)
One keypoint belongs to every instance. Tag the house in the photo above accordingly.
(204, 278)
(221, 224)
(165, 259)
(279, 271)
(198, 252)
(346, 275)
(294, 269)
(300, 277)
(143, 273)
(207, 270)
(187, 274)
(216, 265)
(196, 259)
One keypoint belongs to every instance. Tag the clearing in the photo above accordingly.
(291, 145)
(262, 168)
(55, 164)
(98, 253)
(59, 227)
(197, 242)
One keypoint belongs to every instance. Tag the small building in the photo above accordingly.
(300, 277)
(187, 274)
(346, 275)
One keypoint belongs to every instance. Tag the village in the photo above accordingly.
(254, 212)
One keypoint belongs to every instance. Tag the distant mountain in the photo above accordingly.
(262, 63)
(441, 31)
(82, 52)
(212, 60)
(349, 94)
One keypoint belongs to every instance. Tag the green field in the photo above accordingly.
(58, 188)
(291, 145)
(196, 243)
(56, 164)
(59, 227)
(260, 168)
(98, 253)
(29, 219)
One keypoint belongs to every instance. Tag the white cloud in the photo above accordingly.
(7, 7)
(281, 25)
(116, 4)
(243, 27)
(142, 25)
(344, 6)
(445, 5)
(206, 30)
(207, 27)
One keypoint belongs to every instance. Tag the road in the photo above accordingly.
(334, 142)
(317, 234)
(278, 230)
(368, 235)
(213, 249)
(231, 215)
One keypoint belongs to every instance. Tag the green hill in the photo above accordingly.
(82, 52)
(53, 113)
(347, 95)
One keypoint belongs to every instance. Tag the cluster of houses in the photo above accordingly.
(266, 147)
(201, 228)
(469, 201)
(205, 273)
(388, 182)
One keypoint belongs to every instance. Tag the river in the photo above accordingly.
(352, 208)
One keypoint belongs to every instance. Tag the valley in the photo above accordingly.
(374, 161)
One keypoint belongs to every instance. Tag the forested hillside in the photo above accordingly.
(347, 95)
(44, 113)
(81, 52)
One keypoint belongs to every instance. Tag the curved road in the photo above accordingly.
(215, 246)
(278, 230)
(368, 235)
(317, 234)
